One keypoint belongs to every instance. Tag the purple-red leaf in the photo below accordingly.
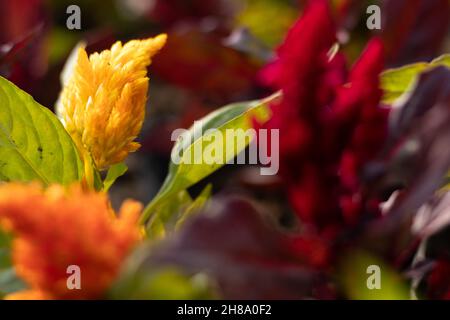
(247, 257)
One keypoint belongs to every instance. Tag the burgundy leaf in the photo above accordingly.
(434, 216)
(414, 30)
(247, 257)
(418, 157)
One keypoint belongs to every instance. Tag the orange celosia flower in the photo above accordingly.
(57, 227)
(103, 102)
(28, 295)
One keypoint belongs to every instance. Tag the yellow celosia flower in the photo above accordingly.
(103, 101)
(57, 227)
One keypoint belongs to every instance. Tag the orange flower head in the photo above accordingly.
(103, 102)
(58, 227)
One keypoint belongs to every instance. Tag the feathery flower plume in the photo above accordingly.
(103, 102)
(54, 228)
(330, 119)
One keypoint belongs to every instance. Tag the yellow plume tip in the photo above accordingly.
(103, 102)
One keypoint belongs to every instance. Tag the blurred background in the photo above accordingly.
(215, 52)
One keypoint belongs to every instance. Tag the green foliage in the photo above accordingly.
(446, 184)
(9, 282)
(33, 143)
(192, 169)
(176, 211)
(114, 172)
(354, 277)
(168, 284)
(257, 13)
(195, 206)
(396, 82)
(156, 283)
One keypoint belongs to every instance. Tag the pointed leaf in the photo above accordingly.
(195, 207)
(396, 82)
(33, 143)
(114, 172)
(193, 167)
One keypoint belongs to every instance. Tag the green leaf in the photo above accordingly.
(193, 167)
(198, 204)
(9, 282)
(114, 172)
(162, 284)
(167, 214)
(447, 182)
(357, 273)
(172, 214)
(396, 82)
(33, 143)
(5, 243)
(443, 60)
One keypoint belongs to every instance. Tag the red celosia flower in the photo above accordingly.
(330, 120)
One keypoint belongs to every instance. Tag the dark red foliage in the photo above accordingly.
(200, 62)
(330, 120)
(421, 121)
(247, 256)
(420, 33)
(23, 59)
(169, 12)
(438, 281)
